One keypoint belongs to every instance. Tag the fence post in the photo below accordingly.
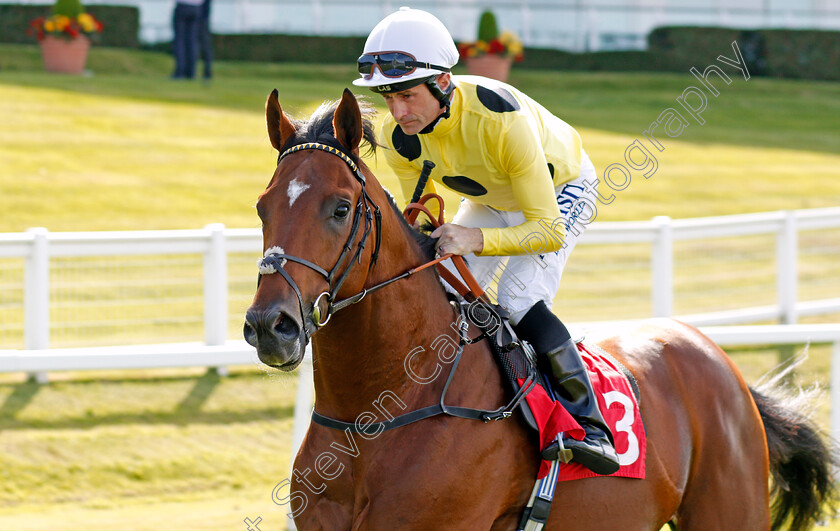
(662, 268)
(835, 390)
(37, 292)
(215, 289)
(786, 268)
(303, 412)
(36, 297)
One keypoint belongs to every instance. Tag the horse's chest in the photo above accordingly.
(405, 478)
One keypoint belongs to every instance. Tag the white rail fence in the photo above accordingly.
(42, 255)
(662, 233)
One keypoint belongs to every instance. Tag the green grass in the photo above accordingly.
(131, 149)
(97, 442)
(128, 149)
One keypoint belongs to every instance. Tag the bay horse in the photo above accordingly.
(333, 236)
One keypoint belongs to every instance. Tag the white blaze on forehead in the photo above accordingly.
(268, 268)
(295, 189)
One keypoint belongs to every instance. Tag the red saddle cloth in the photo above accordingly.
(618, 405)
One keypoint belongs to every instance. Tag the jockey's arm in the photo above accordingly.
(521, 156)
(518, 152)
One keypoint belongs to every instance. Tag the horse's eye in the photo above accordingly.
(341, 211)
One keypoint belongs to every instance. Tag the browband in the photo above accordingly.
(329, 149)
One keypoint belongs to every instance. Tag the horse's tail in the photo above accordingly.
(801, 460)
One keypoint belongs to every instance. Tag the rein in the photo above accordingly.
(273, 262)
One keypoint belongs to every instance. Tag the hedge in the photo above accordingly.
(780, 53)
(802, 54)
(805, 54)
(628, 61)
(345, 50)
(280, 48)
(122, 23)
(288, 48)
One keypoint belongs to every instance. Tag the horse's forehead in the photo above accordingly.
(306, 178)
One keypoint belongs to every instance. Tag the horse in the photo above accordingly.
(336, 255)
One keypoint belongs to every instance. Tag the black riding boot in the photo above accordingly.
(556, 349)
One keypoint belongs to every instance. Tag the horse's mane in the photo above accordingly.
(319, 128)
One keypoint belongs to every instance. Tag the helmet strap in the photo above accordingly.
(444, 97)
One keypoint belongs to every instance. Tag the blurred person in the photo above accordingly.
(205, 38)
(524, 179)
(186, 25)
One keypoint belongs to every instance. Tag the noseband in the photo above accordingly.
(273, 261)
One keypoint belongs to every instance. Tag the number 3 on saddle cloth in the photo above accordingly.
(618, 403)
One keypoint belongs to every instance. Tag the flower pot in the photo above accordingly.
(67, 56)
(488, 65)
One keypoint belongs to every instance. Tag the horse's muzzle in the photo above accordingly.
(276, 336)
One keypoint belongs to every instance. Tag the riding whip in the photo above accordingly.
(421, 182)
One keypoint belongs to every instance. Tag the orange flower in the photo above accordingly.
(61, 22)
(63, 26)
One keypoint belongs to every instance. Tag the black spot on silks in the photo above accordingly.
(497, 99)
(464, 185)
(406, 145)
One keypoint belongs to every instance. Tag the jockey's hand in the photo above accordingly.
(455, 239)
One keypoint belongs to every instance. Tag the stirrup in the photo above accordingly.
(600, 464)
(557, 451)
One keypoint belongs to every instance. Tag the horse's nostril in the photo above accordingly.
(250, 334)
(286, 327)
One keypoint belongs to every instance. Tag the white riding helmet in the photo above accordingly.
(400, 37)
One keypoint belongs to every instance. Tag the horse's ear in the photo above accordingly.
(347, 122)
(280, 128)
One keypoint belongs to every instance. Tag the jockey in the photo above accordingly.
(525, 181)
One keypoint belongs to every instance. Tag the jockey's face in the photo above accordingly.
(415, 108)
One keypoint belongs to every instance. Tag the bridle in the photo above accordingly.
(273, 262)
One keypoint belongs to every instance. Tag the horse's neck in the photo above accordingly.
(362, 353)
(397, 342)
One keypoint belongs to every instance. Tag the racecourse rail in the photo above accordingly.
(215, 243)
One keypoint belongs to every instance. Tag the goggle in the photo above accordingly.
(392, 64)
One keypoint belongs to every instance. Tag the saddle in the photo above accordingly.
(540, 411)
(516, 359)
